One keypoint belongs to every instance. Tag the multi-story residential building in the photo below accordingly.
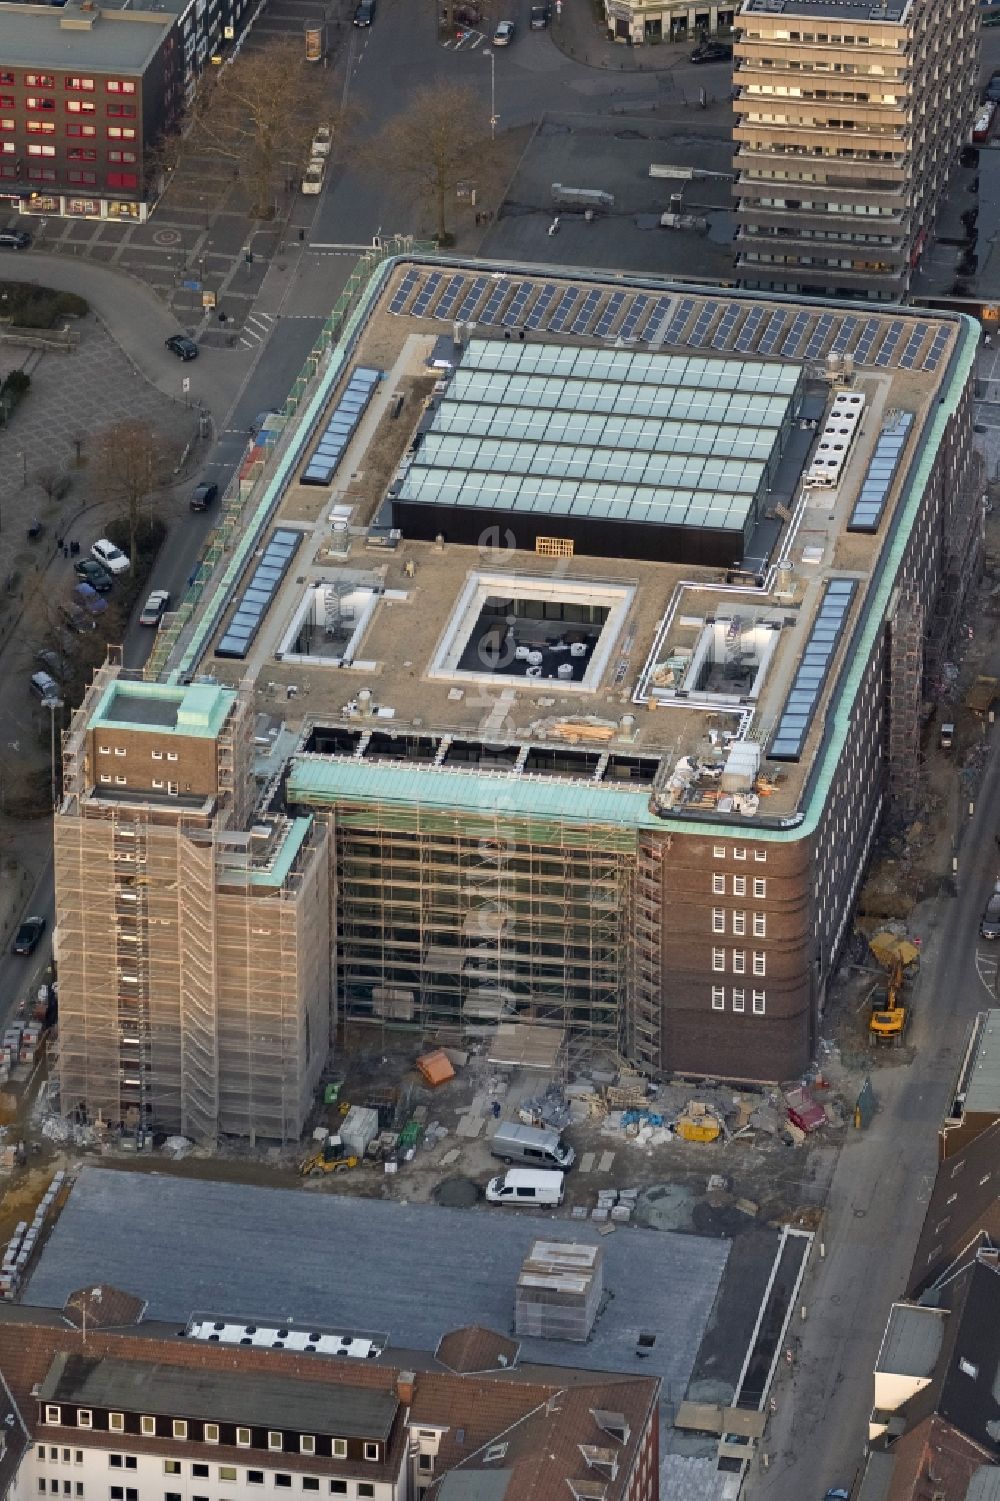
(98, 1407)
(609, 685)
(87, 89)
(849, 119)
(194, 948)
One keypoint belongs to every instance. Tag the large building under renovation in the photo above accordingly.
(611, 617)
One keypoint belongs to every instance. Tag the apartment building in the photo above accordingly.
(104, 1408)
(849, 119)
(193, 934)
(86, 91)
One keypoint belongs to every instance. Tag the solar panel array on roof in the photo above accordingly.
(819, 336)
(633, 317)
(844, 335)
(540, 308)
(341, 427)
(564, 307)
(255, 601)
(403, 291)
(933, 358)
(908, 358)
(496, 300)
(874, 493)
(889, 343)
(813, 671)
(678, 321)
(426, 295)
(727, 324)
(699, 333)
(607, 318)
(588, 308)
(868, 336)
(446, 306)
(750, 327)
(795, 334)
(772, 333)
(471, 299)
(518, 303)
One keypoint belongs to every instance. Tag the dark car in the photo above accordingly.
(989, 926)
(364, 13)
(991, 93)
(54, 662)
(541, 15)
(202, 496)
(27, 936)
(183, 347)
(14, 239)
(94, 574)
(712, 52)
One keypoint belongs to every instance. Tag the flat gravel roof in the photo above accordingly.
(413, 1270)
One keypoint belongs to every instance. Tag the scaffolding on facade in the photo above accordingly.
(906, 675)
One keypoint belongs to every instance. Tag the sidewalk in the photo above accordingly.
(579, 34)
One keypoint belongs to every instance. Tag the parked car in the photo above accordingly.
(95, 574)
(114, 560)
(14, 239)
(528, 1186)
(989, 926)
(155, 607)
(503, 34)
(54, 662)
(312, 177)
(76, 620)
(364, 13)
(322, 141)
(86, 595)
(44, 687)
(183, 347)
(541, 15)
(712, 52)
(27, 936)
(991, 94)
(202, 496)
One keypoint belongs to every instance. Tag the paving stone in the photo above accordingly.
(607, 1158)
(587, 1162)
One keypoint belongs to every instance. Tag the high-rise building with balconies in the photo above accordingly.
(848, 121)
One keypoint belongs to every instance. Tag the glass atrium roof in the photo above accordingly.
(604, 433)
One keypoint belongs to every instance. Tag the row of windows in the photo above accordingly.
(739, 852)
(758, 1000)
(739, 923)
(77, 85)
(739, 885)
(210, 1434)
(282, 1481)
(45, 127)
(739, 961)
(45, 104)
(121, 750)
(69, 1487)
(171, 787)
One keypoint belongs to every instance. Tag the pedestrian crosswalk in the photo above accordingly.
(255, 330)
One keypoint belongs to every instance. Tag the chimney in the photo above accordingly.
(406, 1385)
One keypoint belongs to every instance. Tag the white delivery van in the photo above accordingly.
(533, 1147)
(526, 1185)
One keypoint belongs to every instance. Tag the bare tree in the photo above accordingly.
(132, 463)
(52, 480)
(260, 113)
(436, 142)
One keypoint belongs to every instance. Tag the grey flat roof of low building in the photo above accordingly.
(912, 1341)
(36, 36)
(846, 10)
(415, 1270)
(249, 1398)
(982, 1097)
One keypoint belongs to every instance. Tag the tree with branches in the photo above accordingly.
(260, 113)
(436, 142)
(133, 463)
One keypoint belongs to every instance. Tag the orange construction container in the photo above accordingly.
(436, 1067)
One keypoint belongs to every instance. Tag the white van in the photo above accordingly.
(526, 1185)
(536, 1148)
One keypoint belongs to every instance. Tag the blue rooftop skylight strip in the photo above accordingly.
(827, 630)
(873, 496)
(256, 599)
(340, 427)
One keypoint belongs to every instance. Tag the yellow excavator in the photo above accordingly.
(332, 1157)
(889, 1015)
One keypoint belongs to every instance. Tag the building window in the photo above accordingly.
(338, 1487)
(157, 755)
(760, 855)
(275, 1441)
(758, 1003)
(759, 886)
(227, 1472)
(117, 1493)
(338, 1448)
(718, 920)
(307, 1444)
(36, 148)
(759, 963)
(84, 1417)
(39, 127)
(199, 1471)
(83, 179)
(739, 962)
(285, 1481)
(121, 111)
(739, 1000)
(739, 923)
(425, 1462)
(739, 885)
(124, 180)
(759, 925)
(80, 106)
(121, 133)
(371, 1451)
(116, 1422)
(255, 1477)
(147, 1427)
(116, 86)
(40, 103)
(78, 1488)
(719, 884)
(81, 130)
(719, 851)
(171, 755)
(121, 750)
(39, 81)
(121, 781)
(105, 776)
(243, 1438)
(80, 85)
(739, 852)
(171, 1467)
(310, 1483)
(41, 1484)
(129, 156)
(718, 998)
(365, 1489)
(211, 1430)
(171, 789)
(718, 959)
(77, 1456)
(171, 1496)
(116, 1461)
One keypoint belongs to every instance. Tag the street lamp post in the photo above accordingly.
(489, 52)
